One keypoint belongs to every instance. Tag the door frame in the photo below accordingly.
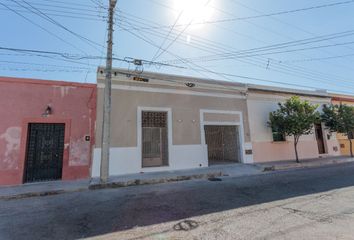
(24, 142)
(239, 124)
(139, 131)
(324, 139)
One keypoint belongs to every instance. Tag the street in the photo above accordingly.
(314, 203)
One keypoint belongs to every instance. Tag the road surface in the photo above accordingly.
(315, 203)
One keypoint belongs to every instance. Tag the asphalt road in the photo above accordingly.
(300, 204)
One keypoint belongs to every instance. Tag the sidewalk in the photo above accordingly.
(216, 171)
(232, 170)
(58, 187)
(42, 189)
(306, 163)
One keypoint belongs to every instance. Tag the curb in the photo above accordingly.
(273, 168)
(137, 182)
(40, 194)
(118, 184)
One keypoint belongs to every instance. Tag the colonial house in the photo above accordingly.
(46, 130)
(165, 122)
(268, 145)
(343, 139)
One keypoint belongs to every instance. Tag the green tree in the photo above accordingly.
(340, 118)
(294, 118)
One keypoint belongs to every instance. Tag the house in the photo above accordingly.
(163, 122)
(46, 130)
(342, 139)
(271, 146)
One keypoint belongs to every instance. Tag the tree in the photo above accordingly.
(294, 118)
(340, 118)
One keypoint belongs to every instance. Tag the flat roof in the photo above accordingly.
(45, 82)
(258, 87)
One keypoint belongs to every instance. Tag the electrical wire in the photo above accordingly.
(263, 15)
(283, 72)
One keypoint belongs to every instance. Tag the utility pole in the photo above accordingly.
(106, 125)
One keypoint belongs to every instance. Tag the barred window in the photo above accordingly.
(278, 136)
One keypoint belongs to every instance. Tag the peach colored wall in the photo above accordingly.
(342, 139)
(23, 101)
(264, 149)
(271, 151)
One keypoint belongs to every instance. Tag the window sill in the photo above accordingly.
(280, 142)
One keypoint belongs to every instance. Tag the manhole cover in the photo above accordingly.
(215, 179)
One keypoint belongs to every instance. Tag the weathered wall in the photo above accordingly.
(23, 101)
(186, 148)
(185, 115)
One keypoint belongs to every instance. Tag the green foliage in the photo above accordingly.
(295, 117)
(339, 118)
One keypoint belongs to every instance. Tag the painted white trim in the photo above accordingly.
(172, 91)
(240, 124)
(169, 129)
(126, 160)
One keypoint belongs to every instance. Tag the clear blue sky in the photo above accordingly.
(142, 25)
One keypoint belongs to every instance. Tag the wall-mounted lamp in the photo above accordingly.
(48, 111)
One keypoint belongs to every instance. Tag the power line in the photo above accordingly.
(263, 15)
(291, 25)
(219, 47)
(81, 57)
(168, 34)
(278, 71)
(44, 29)
(320, 58)
(46, 17)
(224, 75)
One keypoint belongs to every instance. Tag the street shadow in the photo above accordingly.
(100, 212)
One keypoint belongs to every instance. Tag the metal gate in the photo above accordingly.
(154, 139)
(223, 144)
(45, 148)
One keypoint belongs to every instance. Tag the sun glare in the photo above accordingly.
(193, 11)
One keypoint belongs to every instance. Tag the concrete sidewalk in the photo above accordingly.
(216, 171)
(42, 189)
(232, 170)
(306, 163)
(58, 187)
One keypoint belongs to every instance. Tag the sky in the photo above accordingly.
(294, 44)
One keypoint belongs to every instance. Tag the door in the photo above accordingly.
(319, 139)
(45, 149)
(223, 144)
(154, 139)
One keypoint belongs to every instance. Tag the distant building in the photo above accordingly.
(46, 130)
(343, 139)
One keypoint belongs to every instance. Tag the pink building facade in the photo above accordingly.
(261, 100)
(46, 130)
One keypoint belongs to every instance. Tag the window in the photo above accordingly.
(351, 135)
(277, 136)
(154, 139)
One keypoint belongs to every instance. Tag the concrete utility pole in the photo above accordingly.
(106, 125)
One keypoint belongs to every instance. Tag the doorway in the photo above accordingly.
(223, 144)
(154, 139)
(45, 149)
(319, 139)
